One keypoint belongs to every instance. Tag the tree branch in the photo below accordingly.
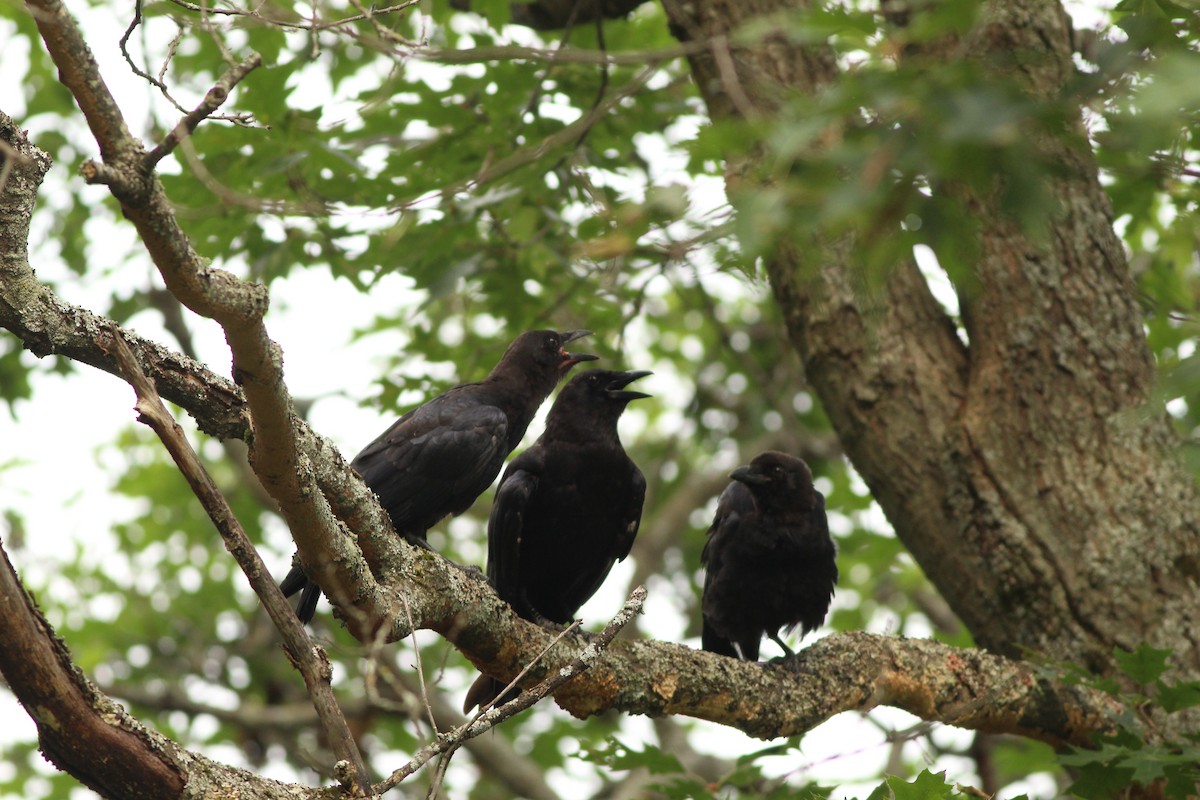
(309, 659)
(87, 734)
(80, 730)
(239, 308)
(213, 100)
(486, 720)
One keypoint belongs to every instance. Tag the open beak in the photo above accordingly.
(616, 389)
(571, 359)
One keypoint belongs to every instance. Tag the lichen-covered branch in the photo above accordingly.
(238, 306)
(87, 734)
(309, 659)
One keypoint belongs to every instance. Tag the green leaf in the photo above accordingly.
(926, 786)
(615, 754)
(1145, 664)
(1096, 781)
(1176, 696)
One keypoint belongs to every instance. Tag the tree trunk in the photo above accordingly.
(1032, 473)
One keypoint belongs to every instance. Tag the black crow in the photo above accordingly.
(770, 563)
(439, 457)
(567, 508)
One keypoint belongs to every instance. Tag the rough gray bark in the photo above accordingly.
(1032, 474)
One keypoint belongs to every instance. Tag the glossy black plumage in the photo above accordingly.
(567, 509)
(439, 457)
(770, 563)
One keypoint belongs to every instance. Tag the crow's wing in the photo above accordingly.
(435, 460)
(506, 528)
(633, 514)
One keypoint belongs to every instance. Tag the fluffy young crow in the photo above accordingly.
(439, 457)
(769, 561)
(567, 508)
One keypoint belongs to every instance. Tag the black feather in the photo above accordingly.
(769, 561)
(567, 509)
(439, 457)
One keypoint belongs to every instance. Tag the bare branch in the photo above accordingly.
(312, 24)
(309, 659)
(212, 101)
(124, 45)
(565, 55)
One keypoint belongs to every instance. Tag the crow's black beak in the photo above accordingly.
(569, 336)
(571, 359)
(616, 389)
(748, 476)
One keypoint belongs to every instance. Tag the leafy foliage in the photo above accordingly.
(1139, 752)
(458, 180)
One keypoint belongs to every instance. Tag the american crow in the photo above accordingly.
(769, 560)
(436, 459)
(567, 508)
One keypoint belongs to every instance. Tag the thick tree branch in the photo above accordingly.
(80, 730)
(309, 659)
(237, 306)
(87, 734)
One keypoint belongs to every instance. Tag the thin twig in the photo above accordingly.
(529, 155)
(525, 670)
(420, 669)
(315, 51)
(213, 100)
(309, 659)
(157, 82)
(11, 158)
(538, 83)
(307, 208)
(439, 774)
(723, 57)
(474, 55)
(493, 717)
(303, 26)
(603, 69)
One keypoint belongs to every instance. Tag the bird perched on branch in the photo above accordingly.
(770, 563)
(567, 509)
(439, 457)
